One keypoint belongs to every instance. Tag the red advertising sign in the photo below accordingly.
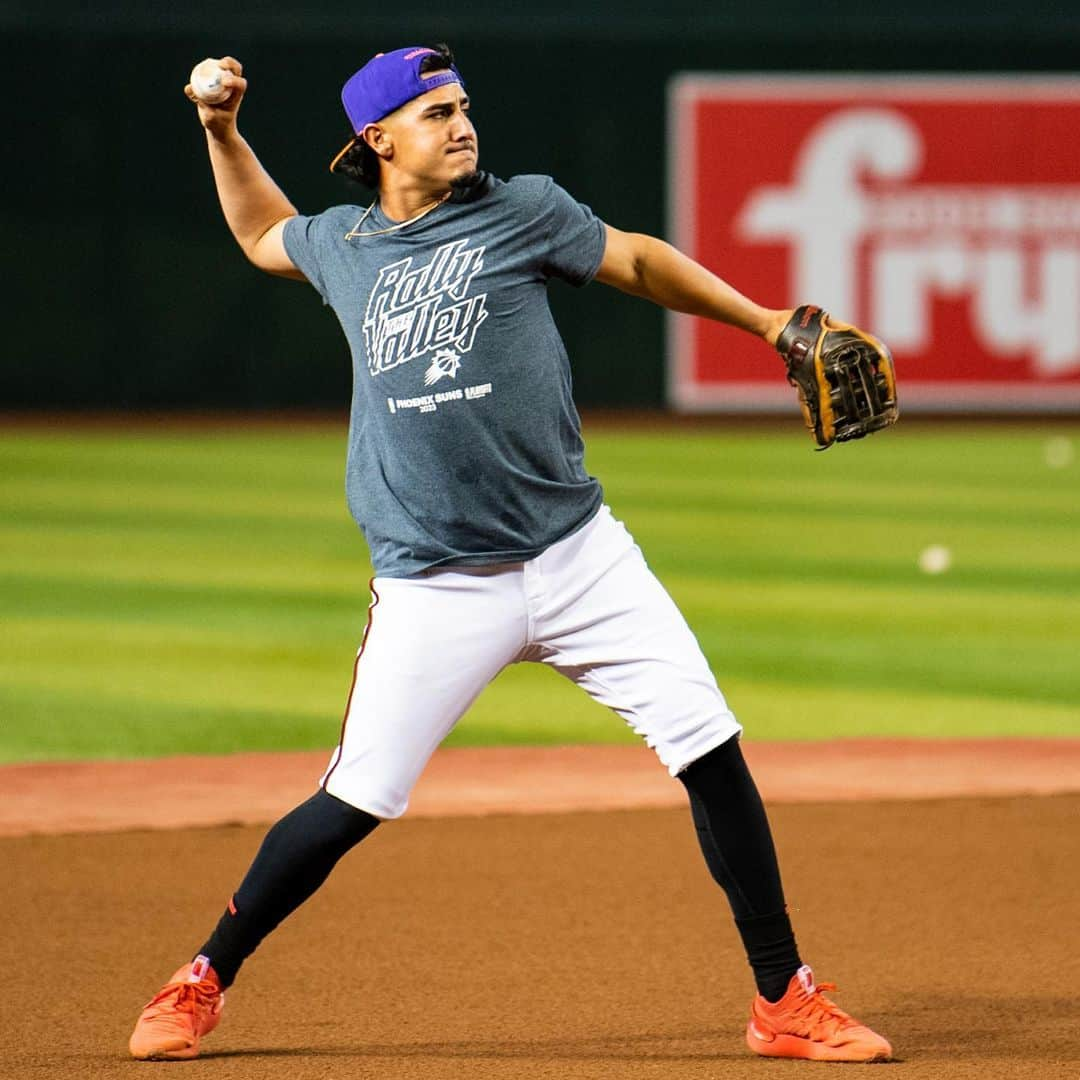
(940, 214)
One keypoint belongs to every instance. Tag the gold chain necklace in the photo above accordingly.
(355, 230)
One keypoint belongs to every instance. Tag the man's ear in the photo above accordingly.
(379, 139)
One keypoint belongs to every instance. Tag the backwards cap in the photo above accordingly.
(385, 83)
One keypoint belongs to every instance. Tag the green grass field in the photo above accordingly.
(165, 591)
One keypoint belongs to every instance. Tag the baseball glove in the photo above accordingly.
(844, 377)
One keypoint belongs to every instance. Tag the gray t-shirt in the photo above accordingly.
(464, 443)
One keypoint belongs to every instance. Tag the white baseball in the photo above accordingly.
(1059, 452)
(206, 79)
(935, 559)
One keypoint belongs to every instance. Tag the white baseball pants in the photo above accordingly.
(588, 606)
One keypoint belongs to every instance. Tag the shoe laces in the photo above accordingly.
(183, 997)
(817, 1017)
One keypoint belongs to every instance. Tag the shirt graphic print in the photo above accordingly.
(422, 310)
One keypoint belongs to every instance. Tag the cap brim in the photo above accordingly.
(342, 152)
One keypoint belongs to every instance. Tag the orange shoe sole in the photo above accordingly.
(792, 1046)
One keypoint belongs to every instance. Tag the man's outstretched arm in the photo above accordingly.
(645, 266)
(255, 208)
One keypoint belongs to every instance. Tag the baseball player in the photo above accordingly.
(491, 544)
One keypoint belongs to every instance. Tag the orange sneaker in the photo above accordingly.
(804, 1023)
(186, 1008)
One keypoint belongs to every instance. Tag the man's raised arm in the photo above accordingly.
(255, 208)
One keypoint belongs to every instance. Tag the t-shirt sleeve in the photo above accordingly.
(575, 238)
(302, 237)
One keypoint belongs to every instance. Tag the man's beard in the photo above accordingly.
(462, 186)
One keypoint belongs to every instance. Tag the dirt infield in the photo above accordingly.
(578, 945)
(248, 789)
(589, 945)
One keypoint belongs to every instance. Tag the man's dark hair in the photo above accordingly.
(360, 162)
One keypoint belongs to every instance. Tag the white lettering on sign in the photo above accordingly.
(1012, 250)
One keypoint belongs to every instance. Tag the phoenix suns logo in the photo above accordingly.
(414, 311)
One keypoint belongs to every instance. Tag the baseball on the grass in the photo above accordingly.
(206, 82)
(935, 559)
(1059, 452)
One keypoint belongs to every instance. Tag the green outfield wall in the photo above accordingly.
(122, 287)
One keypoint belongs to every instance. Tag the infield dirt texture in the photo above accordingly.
(563, 946)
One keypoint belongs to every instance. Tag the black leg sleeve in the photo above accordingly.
(733, 831)
(296, 857)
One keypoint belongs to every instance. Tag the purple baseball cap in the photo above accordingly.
(385, 83)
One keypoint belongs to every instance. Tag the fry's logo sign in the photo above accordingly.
(941, 215)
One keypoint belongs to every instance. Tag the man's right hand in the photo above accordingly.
(255, 208)
(220, 119)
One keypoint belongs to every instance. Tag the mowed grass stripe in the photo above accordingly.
(170, 592)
